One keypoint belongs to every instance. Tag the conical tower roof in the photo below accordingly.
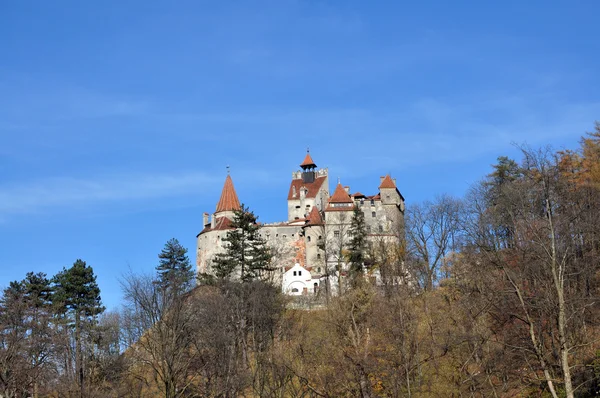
(308, 162)
(229, 200)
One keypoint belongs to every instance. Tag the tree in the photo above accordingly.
(357, 245)
(246, 252)
(433, 230)
(77, 295)
(543, 301)
(14, 369)
(160, 321)
(174, 269)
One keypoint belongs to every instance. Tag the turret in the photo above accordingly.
(308, 169)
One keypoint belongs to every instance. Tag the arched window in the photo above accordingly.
(294, 290)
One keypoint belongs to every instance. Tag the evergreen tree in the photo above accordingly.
(25, 312)
(174, 268)
(500, 190)
(77, 296)
(357, 246)
(245, 250)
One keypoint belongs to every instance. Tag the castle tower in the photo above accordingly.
(209, 240)
(392, 202)
(314, 235)
(309, 188)
(308, 169)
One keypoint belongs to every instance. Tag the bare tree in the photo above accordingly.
(542, 292)
(161, 324)
(433, 231)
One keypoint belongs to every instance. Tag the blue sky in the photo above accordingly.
(117, 119)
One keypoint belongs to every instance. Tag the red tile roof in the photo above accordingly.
(308, 162)
(312, 187)
(387, 183)
(358, 195)
(221, 224)
(229, 199)
(340, 195)
(314, 218)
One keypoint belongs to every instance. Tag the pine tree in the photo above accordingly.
(174, 268)
(77, 295)
(245, 250)
(358, 245)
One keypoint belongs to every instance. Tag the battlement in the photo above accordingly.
(296, 175)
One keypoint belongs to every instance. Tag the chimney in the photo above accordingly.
(204, 219)
(347, 189)
(395, 182)
(381, 179)
(212, 221)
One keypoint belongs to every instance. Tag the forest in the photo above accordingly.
(494, 294)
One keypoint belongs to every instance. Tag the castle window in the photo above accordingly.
(372, 202)
(292, 235)
(368, 228)
(294, 290)
(308, 206)
(318, 258)
(294, 273)
(320, 237)
(336, 234)
(285, 236)
(362, 202)
(297, 207)
(318, 269)
(308, 238)
(296, 218)
(381, 228)
(299, 273)
(373, 214)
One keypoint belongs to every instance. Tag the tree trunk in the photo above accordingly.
(558, 272)
(78, 355)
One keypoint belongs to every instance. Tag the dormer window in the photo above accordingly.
(293, 192)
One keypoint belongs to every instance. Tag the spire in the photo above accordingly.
(229, 200)
(308, 163)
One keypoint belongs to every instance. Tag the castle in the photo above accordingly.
(309, 249)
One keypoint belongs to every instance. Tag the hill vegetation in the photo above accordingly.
(494, 294)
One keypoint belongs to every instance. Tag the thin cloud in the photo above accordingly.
(33, 197)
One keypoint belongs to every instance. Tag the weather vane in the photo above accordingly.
(227, 169)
